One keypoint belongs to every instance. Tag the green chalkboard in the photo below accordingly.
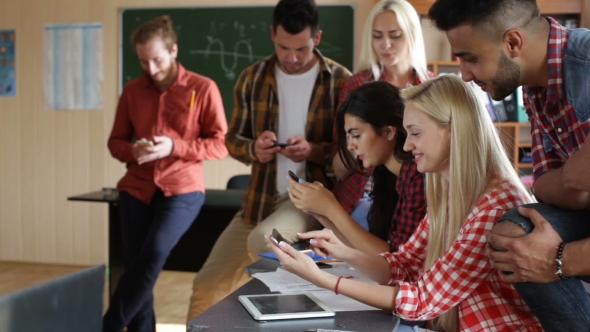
(220, 42)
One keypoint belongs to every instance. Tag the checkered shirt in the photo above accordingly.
(551, 114)
(463, 276)
(411, 204)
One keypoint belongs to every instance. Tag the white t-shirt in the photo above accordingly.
(294, 93)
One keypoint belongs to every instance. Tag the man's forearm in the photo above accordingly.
(574, 170)
(575, 260)
(550, 188)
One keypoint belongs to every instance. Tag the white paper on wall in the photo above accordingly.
(73, 66)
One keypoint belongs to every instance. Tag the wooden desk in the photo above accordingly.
(193, 248)
(229, 315)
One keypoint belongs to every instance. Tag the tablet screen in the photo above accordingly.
(284, 306)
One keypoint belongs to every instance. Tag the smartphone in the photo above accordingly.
(276, 237)
(293, 176)
(283, 145)
(144, 143)
(323, 265)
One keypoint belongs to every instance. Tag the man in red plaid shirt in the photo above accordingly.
(503, 44)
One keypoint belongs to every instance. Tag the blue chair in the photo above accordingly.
(238, 182)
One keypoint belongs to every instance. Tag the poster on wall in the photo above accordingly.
(7, 66)
(73, 66)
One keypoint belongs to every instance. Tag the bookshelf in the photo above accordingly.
(516, 139)
(443, 66)
(515, 136)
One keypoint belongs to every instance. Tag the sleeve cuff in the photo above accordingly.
(251, 151)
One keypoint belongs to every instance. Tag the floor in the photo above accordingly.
(171, 293)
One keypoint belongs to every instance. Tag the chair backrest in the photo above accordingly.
(71, 303)
(238, 182)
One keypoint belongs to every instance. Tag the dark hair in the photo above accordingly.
(158, 27)
(448, 14)
(378, 104)
(296, 15)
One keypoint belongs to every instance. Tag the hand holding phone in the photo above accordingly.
(283, 145)
(293, 176)
(276, 237)
(144, 143)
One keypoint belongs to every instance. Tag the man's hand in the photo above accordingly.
(531, 258)
(162, 149)
(263, 147)
(297, 152)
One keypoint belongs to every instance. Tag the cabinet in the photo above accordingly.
(556, 8)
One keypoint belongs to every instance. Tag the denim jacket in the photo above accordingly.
(576, 72)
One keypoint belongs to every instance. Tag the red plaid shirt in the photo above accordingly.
(463, 276)
(555, 129)
(411, 204)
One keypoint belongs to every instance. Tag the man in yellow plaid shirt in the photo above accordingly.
(291, 97)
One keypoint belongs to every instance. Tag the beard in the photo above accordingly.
(506, 79)
(169, 75)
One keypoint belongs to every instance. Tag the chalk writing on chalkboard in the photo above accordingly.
(228, 56)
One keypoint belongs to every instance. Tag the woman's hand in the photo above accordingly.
(311, 198)
(325, 243)
(299, 263)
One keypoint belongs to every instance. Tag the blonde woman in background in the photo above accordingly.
(441, 274)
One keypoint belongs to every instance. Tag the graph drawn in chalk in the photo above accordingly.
(331, 50)
(216, 46)
(229, 70)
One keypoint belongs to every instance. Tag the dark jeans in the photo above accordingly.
(149, 233)
(562, 305)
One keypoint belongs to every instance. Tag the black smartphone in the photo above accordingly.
(276, 237)
(323, 265)
(293, 176)
(283, 145)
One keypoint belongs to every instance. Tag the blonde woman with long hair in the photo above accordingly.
(441, 274)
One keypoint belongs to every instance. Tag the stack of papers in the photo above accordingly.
(288, 283)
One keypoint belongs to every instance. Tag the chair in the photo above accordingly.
(238, 182)
(70, 303)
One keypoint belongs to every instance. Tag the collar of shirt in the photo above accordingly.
(558, 38)
(324, 67)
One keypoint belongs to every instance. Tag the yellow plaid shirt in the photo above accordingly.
(256, 109)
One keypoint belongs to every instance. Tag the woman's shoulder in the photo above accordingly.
(504, 196)
(493, 204)
(359, 78)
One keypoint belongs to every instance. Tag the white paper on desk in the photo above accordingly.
(341, 302)
(285, 282)
(288, 283)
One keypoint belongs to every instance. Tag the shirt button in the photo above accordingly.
(559, 130)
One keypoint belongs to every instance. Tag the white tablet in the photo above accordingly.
(285, 306)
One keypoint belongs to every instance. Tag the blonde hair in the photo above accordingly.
(409, 22)
(160, 26)
(476, 158)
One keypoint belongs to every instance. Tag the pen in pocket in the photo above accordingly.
(192, 104)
